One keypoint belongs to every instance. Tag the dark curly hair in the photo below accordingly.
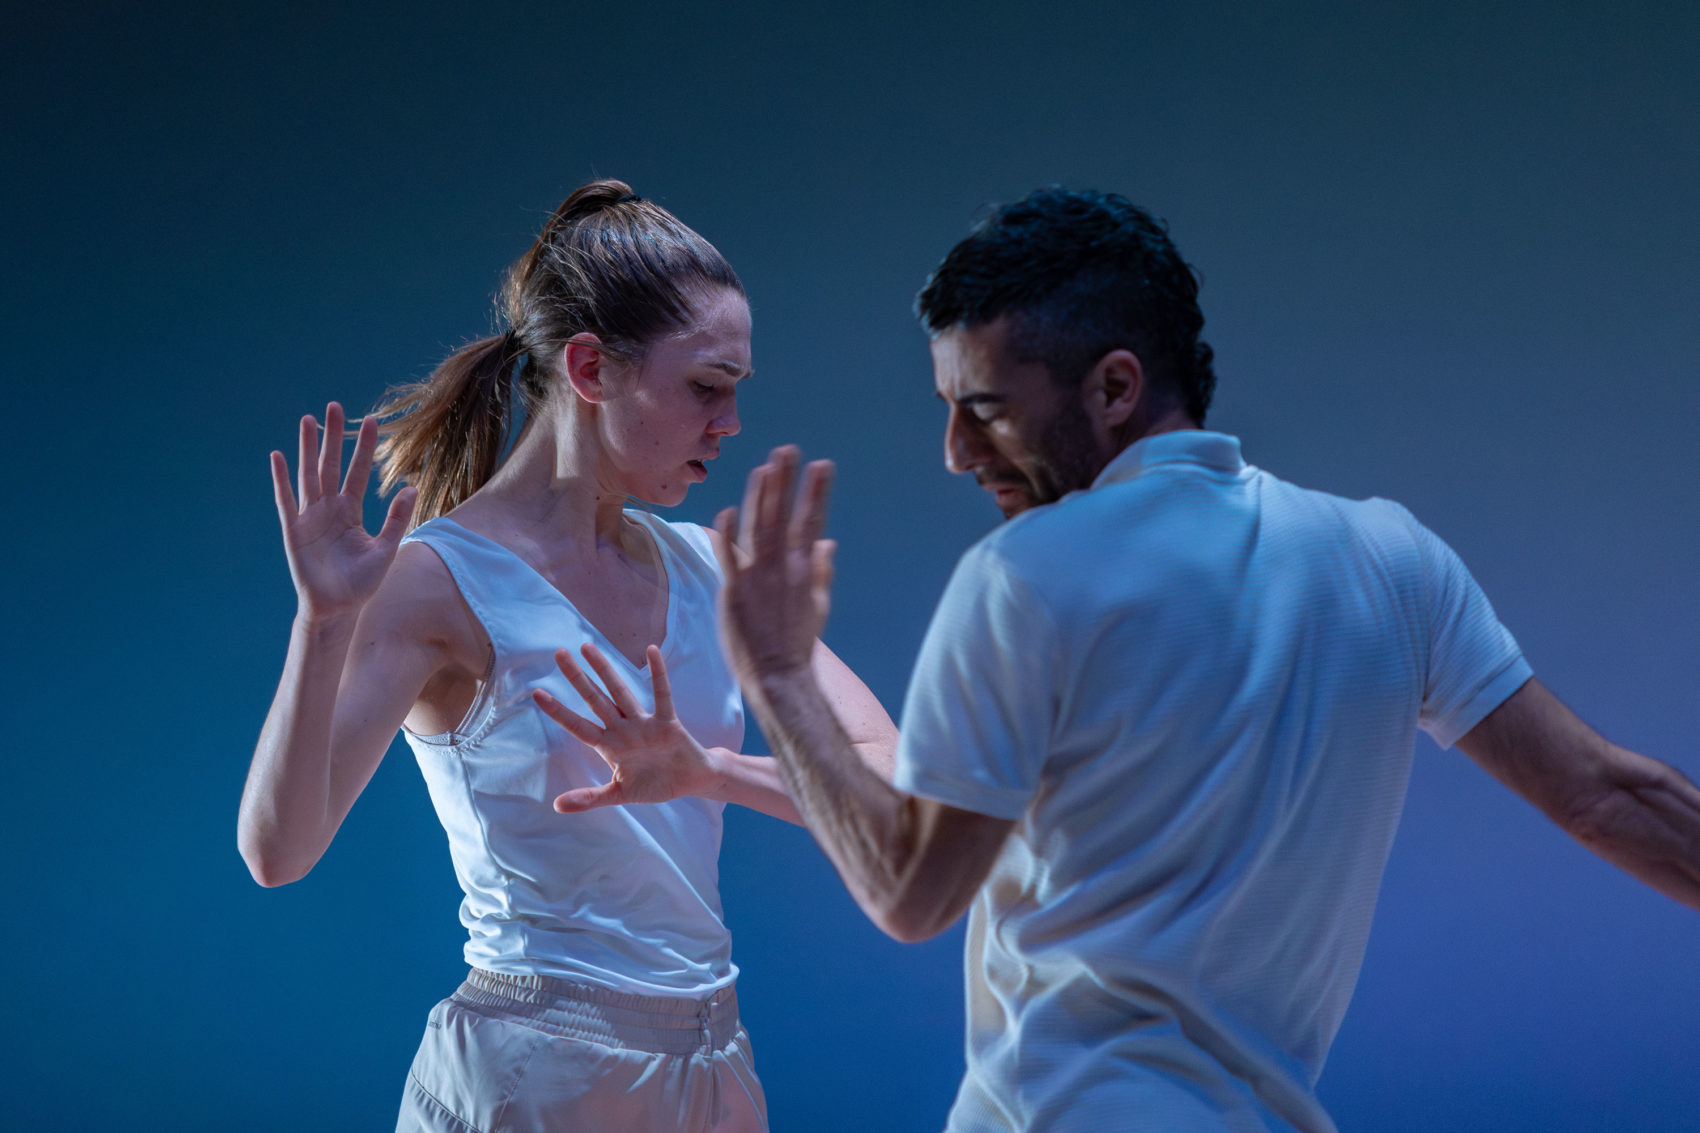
(1081, 273)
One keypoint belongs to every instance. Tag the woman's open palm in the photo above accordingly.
(650, 754)
(336, 565)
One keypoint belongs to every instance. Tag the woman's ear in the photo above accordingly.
(584, 362)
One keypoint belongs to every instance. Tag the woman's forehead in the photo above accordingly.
(718, 336)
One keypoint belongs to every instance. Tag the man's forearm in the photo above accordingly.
(863, 823)
(1639, 814)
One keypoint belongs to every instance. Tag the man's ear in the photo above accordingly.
(1114, 388)
(584, 363)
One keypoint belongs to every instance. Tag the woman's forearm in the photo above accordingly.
(285, 822)
(753, 781)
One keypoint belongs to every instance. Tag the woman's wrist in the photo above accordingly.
(318, 626)
(721, 763)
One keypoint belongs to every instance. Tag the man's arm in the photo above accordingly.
(1639, 814)
(759, 783)
(912, 864)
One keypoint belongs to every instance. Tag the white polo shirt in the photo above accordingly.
(1196, 687)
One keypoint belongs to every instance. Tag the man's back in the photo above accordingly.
(1197, 687)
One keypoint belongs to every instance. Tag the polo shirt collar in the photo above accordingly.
(1183, 446)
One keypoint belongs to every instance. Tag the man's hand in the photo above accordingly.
(912, 864)
(774, 603)
(651, 755)
(1639, 814)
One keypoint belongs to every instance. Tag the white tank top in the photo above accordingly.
(623, 897)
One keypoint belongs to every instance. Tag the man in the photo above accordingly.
(1160, 729)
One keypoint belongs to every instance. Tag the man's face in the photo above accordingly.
(1027, 440)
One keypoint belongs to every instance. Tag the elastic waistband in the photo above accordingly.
(657, 1023)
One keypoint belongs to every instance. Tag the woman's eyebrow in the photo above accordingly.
(731, 369)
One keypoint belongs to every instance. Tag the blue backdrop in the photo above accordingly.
(1450, 257)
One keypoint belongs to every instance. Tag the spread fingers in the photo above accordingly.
(577, 726)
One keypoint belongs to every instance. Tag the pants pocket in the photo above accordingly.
(466, 1071)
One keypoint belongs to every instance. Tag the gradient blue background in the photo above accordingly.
(1450, 254)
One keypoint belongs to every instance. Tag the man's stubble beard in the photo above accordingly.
(1067, 459)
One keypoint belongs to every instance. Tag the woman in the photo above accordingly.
(601, 992)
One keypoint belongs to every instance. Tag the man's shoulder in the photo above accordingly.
(1061, 556)
(1368, 514)
(1027, 546)
(1152, 532)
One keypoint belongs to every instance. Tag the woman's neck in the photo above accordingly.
(553, 490)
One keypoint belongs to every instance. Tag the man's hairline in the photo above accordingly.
(1013, 311)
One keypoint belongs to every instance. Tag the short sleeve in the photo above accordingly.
(1474, 664)
(978, 717)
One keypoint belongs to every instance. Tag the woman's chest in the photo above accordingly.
(627, 614)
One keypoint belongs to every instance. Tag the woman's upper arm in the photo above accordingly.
(864, 719)
(399, 645)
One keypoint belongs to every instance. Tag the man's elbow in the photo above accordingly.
(907, 930)
(935, 866)
(909, 919)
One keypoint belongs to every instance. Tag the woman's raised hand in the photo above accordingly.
(335, 564)
(651, 755)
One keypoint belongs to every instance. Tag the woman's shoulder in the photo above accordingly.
(420, 602)
(691, 542)
(693, 536)
(419, 572)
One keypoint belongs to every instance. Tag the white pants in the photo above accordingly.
(528, 1054)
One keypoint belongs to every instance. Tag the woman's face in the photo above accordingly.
(666, 416)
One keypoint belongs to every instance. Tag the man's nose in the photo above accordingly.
(964, 449)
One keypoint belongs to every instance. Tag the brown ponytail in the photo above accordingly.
(607, 262)
(450, 429)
